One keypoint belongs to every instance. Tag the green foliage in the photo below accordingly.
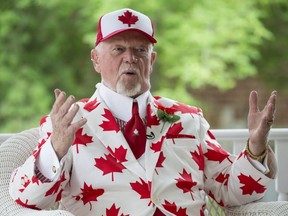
(273, 66)
(46, 45)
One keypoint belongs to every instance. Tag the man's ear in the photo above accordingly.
(95, 60)
(153, 59)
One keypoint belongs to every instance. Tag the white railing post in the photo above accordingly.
(281, 153)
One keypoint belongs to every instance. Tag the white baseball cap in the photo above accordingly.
(122, 20)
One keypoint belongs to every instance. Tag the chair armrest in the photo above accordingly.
(13, 152)
(276, 208)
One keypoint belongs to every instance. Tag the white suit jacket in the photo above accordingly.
(100, 176)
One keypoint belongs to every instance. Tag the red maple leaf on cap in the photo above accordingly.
(128, 18)
(250, 185)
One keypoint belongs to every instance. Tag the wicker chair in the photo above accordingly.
(15, 150)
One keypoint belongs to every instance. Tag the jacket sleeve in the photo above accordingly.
(27, 188)
(232, 180)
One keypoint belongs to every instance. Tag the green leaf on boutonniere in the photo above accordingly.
(166, 117)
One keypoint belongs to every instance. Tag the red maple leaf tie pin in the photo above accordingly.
(135, 132)
(128, 18)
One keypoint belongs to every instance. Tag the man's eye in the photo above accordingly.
(118, 49)
(141, 50)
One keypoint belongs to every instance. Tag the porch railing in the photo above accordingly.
(279, 141)
(235, 140)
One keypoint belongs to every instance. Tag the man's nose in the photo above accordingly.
(130, 56)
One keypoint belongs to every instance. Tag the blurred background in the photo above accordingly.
(210, 54)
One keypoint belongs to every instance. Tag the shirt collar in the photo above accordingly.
(121, 106)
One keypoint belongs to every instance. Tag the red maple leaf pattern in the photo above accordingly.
(128, 18)
(43, 120)
(108, 165)
(59, 196)
(168, 110)
(172, 207)
(223, 178)
(81, 139)
(90, 106)
(216, 153)
(142, 188)
(186, 183)
(184, 108)
(55, 188)
(151, 119)
(111, 124)
(160, 161)
(36, 151)
(211, 135)
(31, 206)
(241, 154)
(89, 194)
(25, 182)
(250, 185)
(84, 100)
(119, 153)
(174, 132)
(198, 157)
(35, 180)
(156, 147)
(113, 211)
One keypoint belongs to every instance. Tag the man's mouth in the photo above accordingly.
(130, 73)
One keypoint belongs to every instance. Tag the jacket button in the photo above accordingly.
(54, 169)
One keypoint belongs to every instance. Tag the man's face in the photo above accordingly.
(125, 63)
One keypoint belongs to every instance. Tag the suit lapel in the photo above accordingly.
(156, 130)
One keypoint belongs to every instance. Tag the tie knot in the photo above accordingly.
(135, 108)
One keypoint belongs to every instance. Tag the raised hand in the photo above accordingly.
(62, 115)
(260, 122)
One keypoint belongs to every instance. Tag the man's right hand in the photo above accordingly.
(63, 134)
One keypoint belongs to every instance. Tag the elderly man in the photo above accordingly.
(123, 151)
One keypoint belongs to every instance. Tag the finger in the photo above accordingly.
(60, 98)
(270, 113)
(270, 107)
(253, 102)
(66, 106)
(77, 125)
(273, 100)
(57, 92)
(71, 114)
